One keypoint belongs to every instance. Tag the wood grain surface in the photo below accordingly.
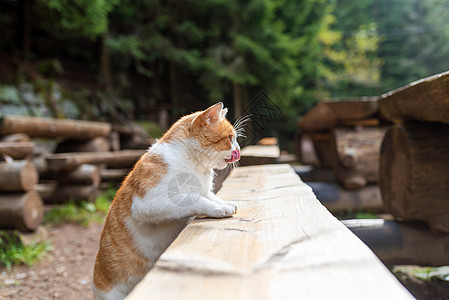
(282, 244)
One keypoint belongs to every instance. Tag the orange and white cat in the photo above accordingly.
(169, 185)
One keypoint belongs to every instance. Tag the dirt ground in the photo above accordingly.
(63, 273)
(66, 271)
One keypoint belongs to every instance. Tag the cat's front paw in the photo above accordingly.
(233, 205)
(221, 212)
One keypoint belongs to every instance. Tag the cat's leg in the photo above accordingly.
(179, 206)
(216, 199)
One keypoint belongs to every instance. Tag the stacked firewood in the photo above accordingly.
(342, 139)
(21, 206)
(414, 165)
(86, 155)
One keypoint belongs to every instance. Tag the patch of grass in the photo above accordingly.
(350, 214)
(83, 213)
(14, 253)
(423, 273)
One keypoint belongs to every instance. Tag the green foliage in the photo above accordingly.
(14, 253)
(84, 213)
(423, 273)
(87, 18)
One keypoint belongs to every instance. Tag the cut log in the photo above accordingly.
(21, 211)
(114, 175)
(259, 155)
(423, 100)
(328, 114)
(84, 175)
(354, 109)
(414, 177)
(15, 138)
(324, 146)
(114, 160)
(321, 117)
(66, 193)
(402, 243)
(17, 176)
(337, 199)
(17, 150)
(358, 153)
(98, 144)
(281, 244)
(53, 128)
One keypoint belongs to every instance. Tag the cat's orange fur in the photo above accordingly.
(119, 257)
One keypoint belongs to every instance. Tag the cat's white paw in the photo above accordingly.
(233, 205)
(221, 212)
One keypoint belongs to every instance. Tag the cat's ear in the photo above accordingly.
(213, 113)
(224, 112)
(210, 115)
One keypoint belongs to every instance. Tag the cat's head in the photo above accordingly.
(214, 139)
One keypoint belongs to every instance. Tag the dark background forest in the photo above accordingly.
(120, 60)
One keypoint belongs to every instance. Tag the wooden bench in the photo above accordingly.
(281, 244)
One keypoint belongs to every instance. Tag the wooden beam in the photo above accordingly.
(281, 244)
(17, 150)
(259, 155)
(423, 100)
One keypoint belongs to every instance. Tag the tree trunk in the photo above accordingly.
(324, 147)
(238, 100)
(21, 211)
(51, 128)
(105, 66)
(17, 176)
(23, 28)
(414, 177)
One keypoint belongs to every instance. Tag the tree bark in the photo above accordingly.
(414, 177)
(105, 66)
(17, 176)
(21, 211)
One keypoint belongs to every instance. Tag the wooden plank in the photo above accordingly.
(17, 150)
(423, 100)
(282, 244)
(259, 155)
(354, 109)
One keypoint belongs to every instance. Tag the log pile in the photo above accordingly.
(85, 155)
(21, 206)
(414, 164)
(344, 137)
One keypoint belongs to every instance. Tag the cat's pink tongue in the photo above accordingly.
(235, 156)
